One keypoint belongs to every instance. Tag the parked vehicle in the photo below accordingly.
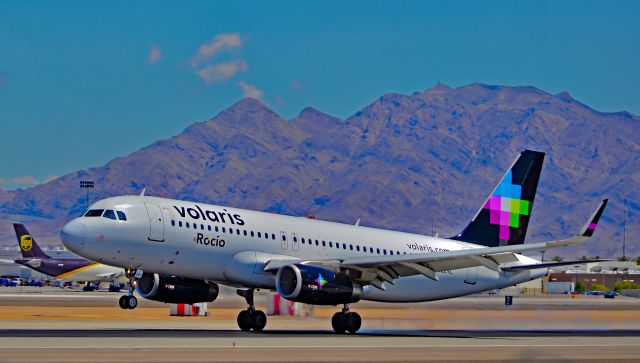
(8, 282)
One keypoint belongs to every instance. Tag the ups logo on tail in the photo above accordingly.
(26, 242)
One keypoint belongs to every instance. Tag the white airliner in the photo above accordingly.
(178, 251)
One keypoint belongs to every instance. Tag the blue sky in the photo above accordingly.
(84, 82)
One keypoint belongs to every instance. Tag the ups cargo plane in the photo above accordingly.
(179, 251)
(62, 268)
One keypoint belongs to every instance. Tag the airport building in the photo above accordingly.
(608, 273)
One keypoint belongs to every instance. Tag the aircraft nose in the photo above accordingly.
(74, 235)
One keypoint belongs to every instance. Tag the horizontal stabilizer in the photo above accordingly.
(549, 265)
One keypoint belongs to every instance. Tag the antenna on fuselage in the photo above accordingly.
(358, 222)
(142, 192)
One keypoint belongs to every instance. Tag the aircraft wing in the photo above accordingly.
(7, 261)
(377, 269)
(549, 265)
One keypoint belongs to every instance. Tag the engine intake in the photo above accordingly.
(316, 285)
(176, 290)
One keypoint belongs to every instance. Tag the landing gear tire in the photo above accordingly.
(259, 320)
(353, 322)
(346, 322)
(244, 320)
(121, 302)
(338, 323)
(252, 319)
(128, 302)
(131, 302)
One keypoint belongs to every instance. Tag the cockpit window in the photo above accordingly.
(110, 214)
(94, 213)
(121, 215)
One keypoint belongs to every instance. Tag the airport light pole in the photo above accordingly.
(624, 236)
(88, 185)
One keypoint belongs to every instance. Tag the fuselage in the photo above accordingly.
(74, 269)
(232, 246)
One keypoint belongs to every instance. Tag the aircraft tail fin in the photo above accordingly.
(504, 216)
(27, 243)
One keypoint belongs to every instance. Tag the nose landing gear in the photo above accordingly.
(251, 318)
(346, 321)
(129, 301)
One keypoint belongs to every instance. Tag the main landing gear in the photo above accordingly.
(346, 321)
(251, 318)
(129, 301)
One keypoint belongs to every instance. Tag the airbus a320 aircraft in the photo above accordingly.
(178, 251)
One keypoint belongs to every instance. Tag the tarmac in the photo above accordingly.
(54, 325)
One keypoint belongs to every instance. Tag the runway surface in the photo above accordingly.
(169, 345)
(65, 326)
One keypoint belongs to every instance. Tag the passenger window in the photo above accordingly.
(110, 214)
(202, 227)
(317, 243)
(215, 228)
(259, 234)
(371, 249)
(187, 224)
(245, 231)
(344, 246)
(209, 228)
(302, 239)
(195, 226)
(251, 233)
(173, 223)
(378, 250)
(121, 215)
(266, 235)
(385, 251)
(351, 247)
(324, 244)
(330, 244)
(223, 230)
(391, 252)
(179, 223)
(94, 213)
(284, 237)
(230, 230)
(295, 239)
(358, 248)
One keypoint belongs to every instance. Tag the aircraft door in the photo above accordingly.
(284, 244)
(156, 222)
(295, 241)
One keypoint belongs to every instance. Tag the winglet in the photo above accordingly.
(585, 232)
(588, 229)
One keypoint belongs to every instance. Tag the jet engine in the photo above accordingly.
(176, 290)
(316, 285)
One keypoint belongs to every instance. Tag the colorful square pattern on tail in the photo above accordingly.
(506, 207)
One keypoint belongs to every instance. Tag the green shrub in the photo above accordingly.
(599, 287)
(579, 286)
(625, 285)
